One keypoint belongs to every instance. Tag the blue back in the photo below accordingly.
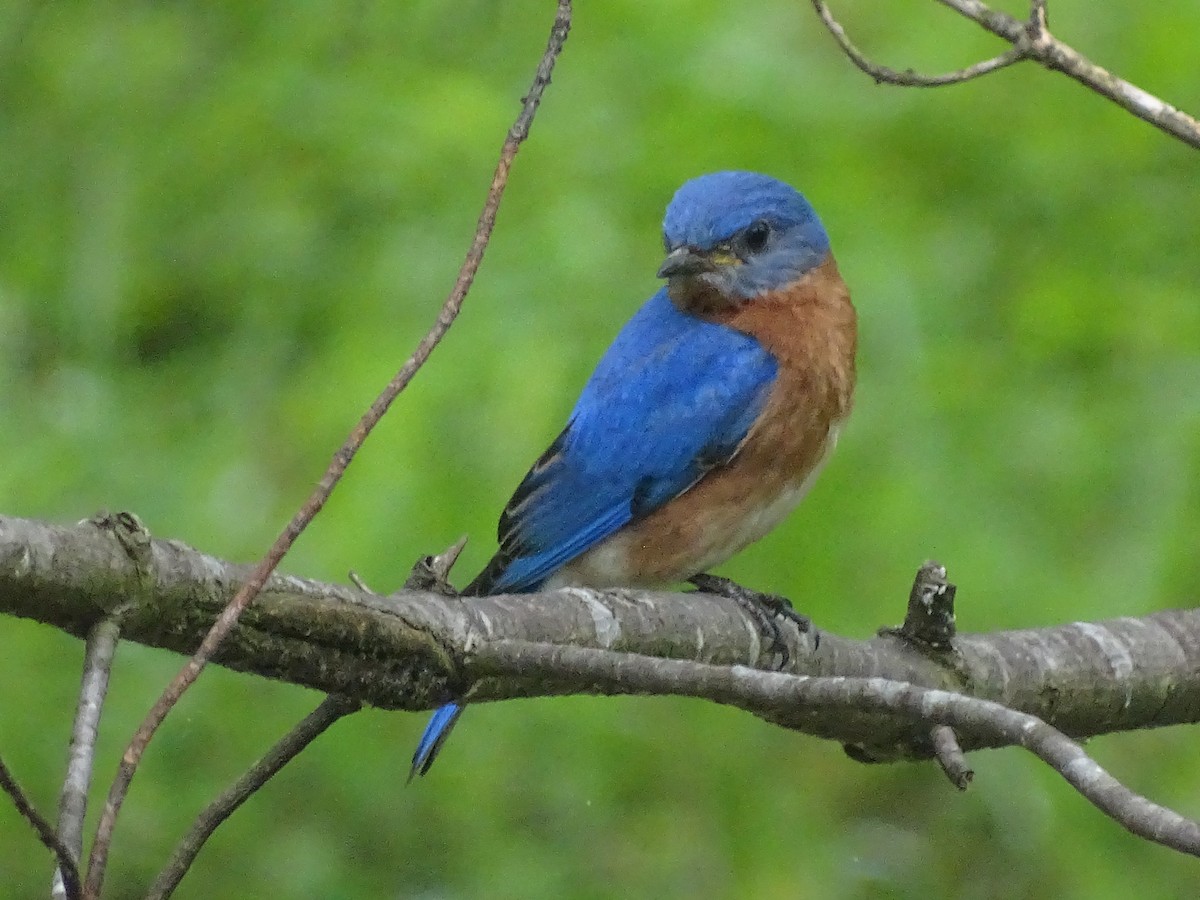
(671, 398)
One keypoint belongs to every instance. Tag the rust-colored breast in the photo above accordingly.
(810, 328)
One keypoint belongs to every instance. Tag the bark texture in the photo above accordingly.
(413, 649)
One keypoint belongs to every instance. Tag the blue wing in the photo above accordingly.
(672, 397)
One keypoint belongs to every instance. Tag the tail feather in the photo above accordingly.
(445, 717)
(436, 732)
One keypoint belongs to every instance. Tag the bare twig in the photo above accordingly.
(909, 78)
(100, 650)
(289, 746)
(1035, 38)
(1032, 40)
(66, 862)
(776, 692)
(341, 459)
(950, 756)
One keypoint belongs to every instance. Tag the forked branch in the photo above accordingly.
(1030, 40)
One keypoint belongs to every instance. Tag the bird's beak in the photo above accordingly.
(686, 261)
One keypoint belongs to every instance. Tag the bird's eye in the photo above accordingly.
(754, 238)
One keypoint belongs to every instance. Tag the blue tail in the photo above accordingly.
(435, 735)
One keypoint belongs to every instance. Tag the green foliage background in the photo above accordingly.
(224, 225)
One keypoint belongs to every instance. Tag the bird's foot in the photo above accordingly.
(767, 610)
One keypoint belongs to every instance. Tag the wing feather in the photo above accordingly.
(672, 398)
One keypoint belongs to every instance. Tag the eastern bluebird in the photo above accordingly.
(706, 420)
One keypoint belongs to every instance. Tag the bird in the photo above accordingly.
(705, 421)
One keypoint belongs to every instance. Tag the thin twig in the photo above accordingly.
(765, 692)
(1053, 54)
(341, 460)
(1031, 40)
(909, 78)
(66, 862)
(99, 652)
(950, 756)
(289, 746)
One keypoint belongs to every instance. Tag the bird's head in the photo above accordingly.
(732, 236)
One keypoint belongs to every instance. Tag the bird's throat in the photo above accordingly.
(699, 297)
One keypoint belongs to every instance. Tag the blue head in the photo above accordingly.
(732, 236)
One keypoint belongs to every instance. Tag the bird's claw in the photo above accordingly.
(766, 609)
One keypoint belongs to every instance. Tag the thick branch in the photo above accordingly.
(407, 651)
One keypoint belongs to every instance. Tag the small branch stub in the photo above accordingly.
(930, 620)
(133, 537)
(432, 573)
(950, 756)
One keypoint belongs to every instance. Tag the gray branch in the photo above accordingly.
(100, 650)
(412, 650)
(1041, 46)
(773, 693)
(894, 696)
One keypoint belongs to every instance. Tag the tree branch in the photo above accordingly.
(1031, 40)
(909, 78)
(950, 756)
(99, 652)
(412, 650)
(66, 863)
(772, 694)
(315, 724)
(337, 466)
